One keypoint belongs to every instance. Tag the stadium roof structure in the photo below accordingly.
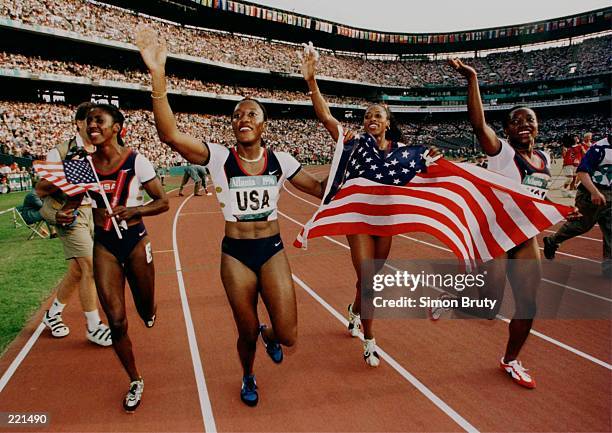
(270, 23)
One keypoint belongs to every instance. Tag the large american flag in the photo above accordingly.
(475, 212)
(73, 177)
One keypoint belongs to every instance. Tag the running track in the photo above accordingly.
(434, 376)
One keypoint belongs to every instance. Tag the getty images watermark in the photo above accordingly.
(412, 282)
(512, 288)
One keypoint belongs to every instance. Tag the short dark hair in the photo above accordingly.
(506, 120)
(82, 110)
(263, 109)
(568, 140)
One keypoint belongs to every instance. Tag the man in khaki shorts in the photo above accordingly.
(75, 230)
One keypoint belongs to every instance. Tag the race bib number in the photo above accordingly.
(537, 184)
(253, 197)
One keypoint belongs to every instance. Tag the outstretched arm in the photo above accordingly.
(153, 51)
(307, 183)
(309, 67)
(486, 136)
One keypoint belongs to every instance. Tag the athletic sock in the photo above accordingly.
(56, 308)
(93, 319)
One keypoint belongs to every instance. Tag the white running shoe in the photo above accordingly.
(518, 373)
(134, 395)
(354, 322)
(436, 312)
(56, 325)
(370, 355)
(101, 335)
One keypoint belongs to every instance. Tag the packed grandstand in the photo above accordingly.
(215, 62)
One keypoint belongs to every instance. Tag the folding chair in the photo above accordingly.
(37, 228)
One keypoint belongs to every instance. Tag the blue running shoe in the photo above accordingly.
(274, 349)
(248, 393)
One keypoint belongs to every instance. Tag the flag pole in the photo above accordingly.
(103, 194)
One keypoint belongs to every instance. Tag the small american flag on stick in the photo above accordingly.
(73, 177)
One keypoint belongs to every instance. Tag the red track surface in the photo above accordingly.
(323, 384)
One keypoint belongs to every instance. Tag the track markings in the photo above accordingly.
(20, 356)
(395, 365)
(534, 332)
(204, 398)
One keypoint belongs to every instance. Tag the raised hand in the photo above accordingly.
(309, 58)
(152, 48)
(431, 155)
(348, 136)
(465, 70)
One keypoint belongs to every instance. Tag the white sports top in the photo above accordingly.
(245, 197)
(508, 162)
(139, 170)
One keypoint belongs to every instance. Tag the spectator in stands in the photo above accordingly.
(481, 161)
(301, 137)
(588, 57)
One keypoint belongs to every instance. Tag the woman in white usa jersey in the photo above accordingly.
(247, 181)
(514, 157)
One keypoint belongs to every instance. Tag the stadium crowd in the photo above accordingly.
(38, 65)
(30, 130)
(100, 20)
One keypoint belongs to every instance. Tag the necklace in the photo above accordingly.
(261, 154)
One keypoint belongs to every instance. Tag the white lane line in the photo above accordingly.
(584, 292)
(31, 341)
(162, 251)
(575, 257)
(440, 247)
(20, 356)
(563, 346)
(534, 332)
(579, 237)
(205, 406)
(395, 365)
